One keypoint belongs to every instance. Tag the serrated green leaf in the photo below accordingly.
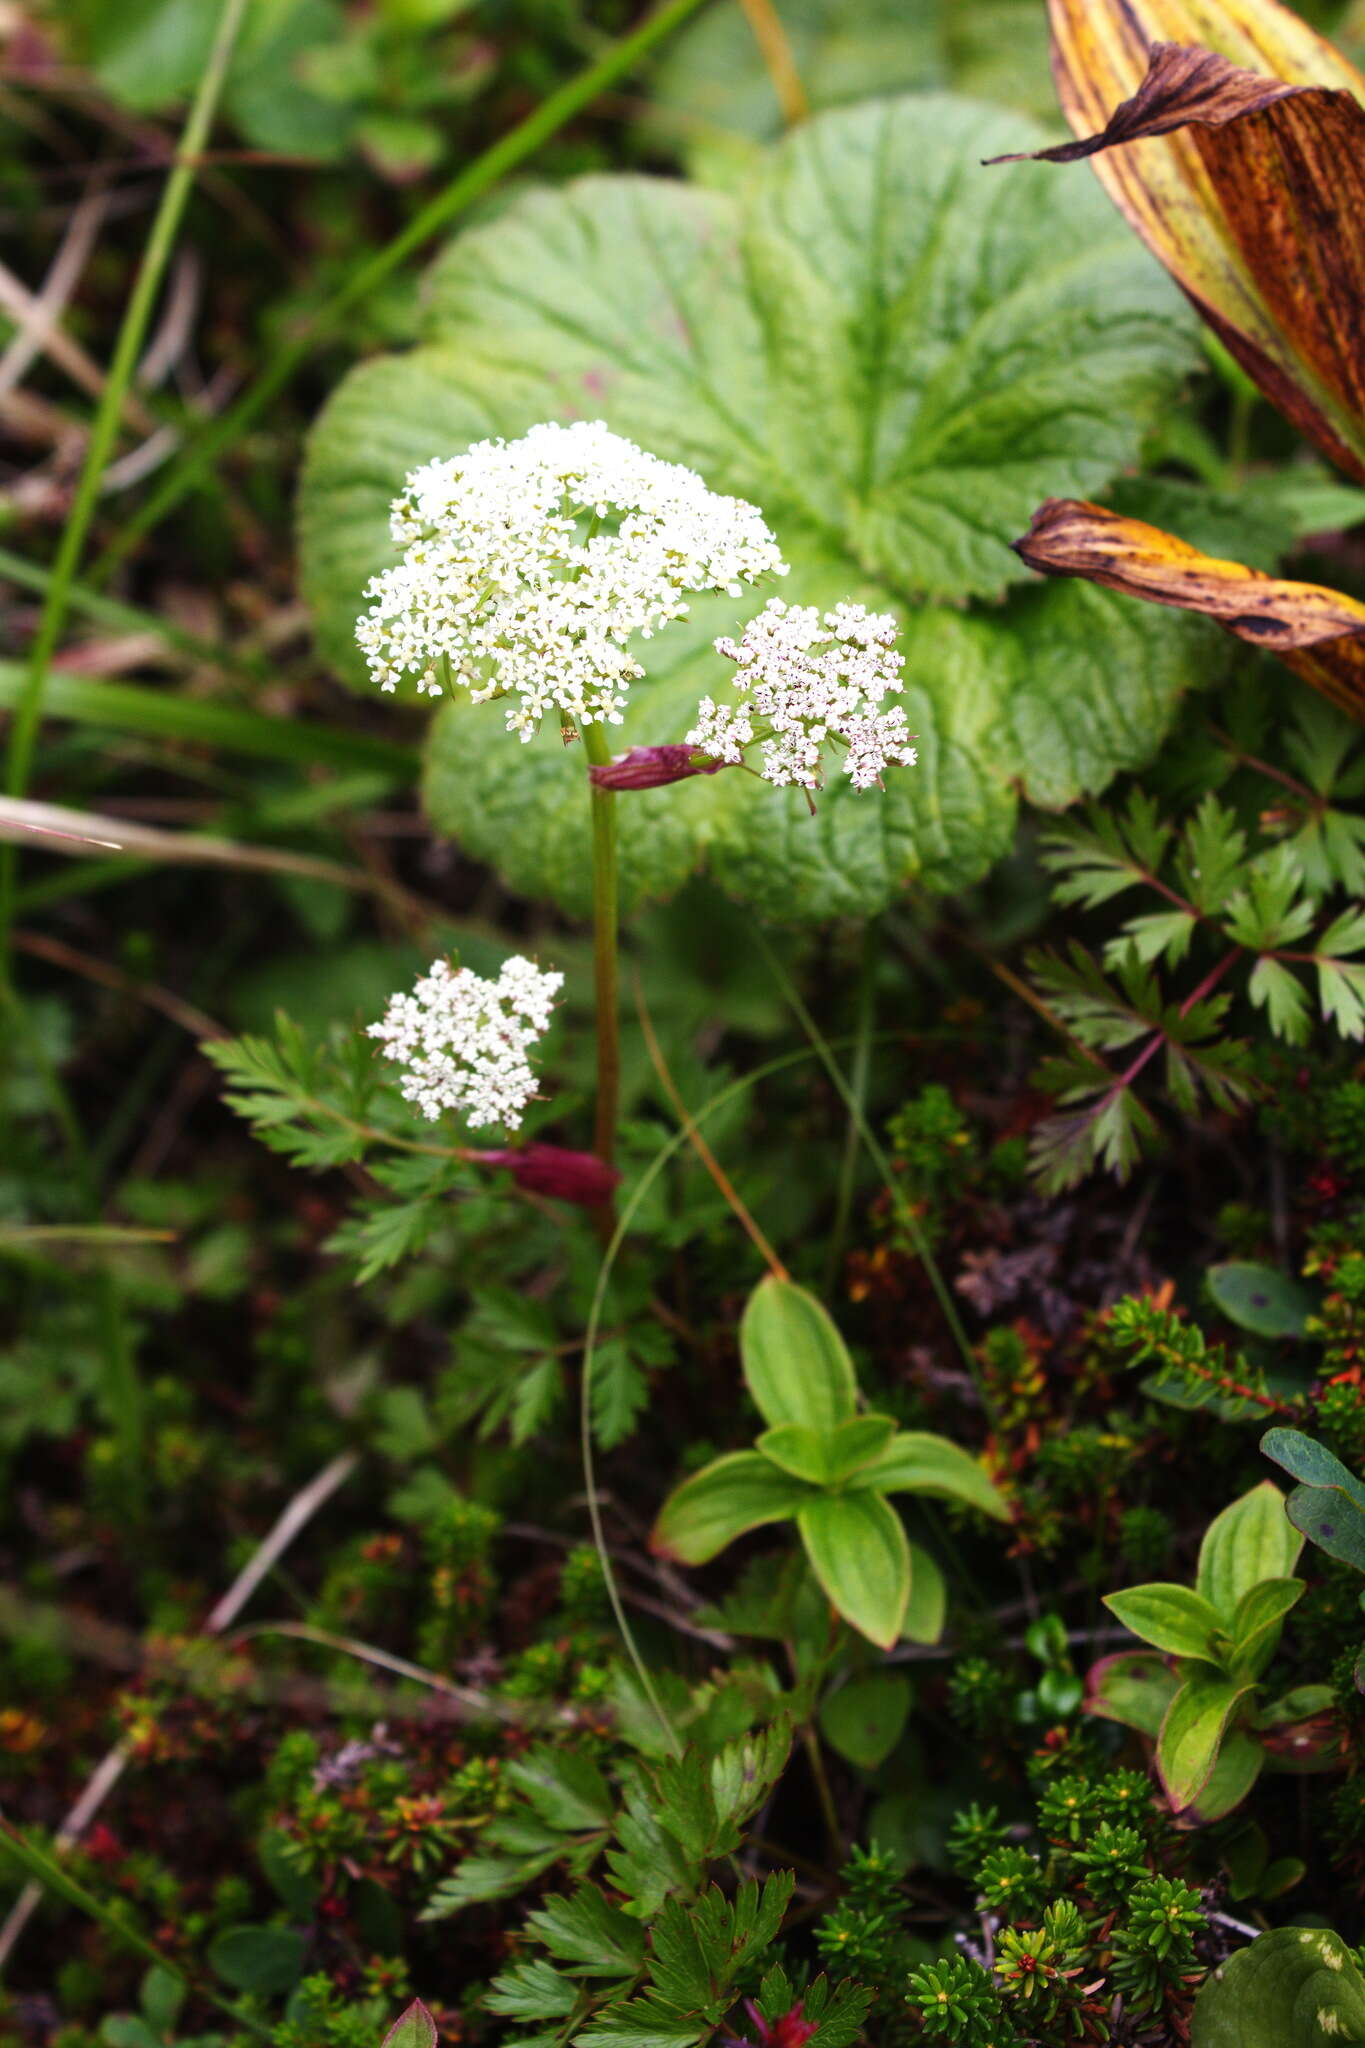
(533, 1990)
(851, 346)
(620, 1392)
(1277, 990)
(858, 1551)
(565, 1788)
(743, 1772)
(1341, 995)
(589, 1935)
(1171, 1618)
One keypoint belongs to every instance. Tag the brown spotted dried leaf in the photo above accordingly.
(1233, 139)
(1320, 633)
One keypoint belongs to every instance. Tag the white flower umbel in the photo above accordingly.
(529, 565)
(808, 682)
(464, 1042)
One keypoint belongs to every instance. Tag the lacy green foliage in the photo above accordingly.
(894, 358)
(1238, 904)
(658, 1958)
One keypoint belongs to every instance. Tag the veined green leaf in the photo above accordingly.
(1294, 1985)
(796, 1365)
(850, 346)
(726, 1498)
(414, 2028)
(924, 1616)
(1133, 1688)
(859, 1553)
(1171, 1618)
(1191, 1733)
(915, 1461)
(1249, 1541)
(1257, 1623)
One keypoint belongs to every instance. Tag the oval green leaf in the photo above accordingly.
(797, 1450)
(925, 1616)
(1192, 1733)
(266, 1961)
(858, 1552)
(1133, 1688)
(796, 1365)
(864, 1719)
(1258, 1621)
(1251, 1540)
(916, 1461)
(1171, 1618)
(724, 1500)
(1260, 1298)
(414, 2028)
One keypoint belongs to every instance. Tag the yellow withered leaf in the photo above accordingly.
(1318, 632)
(1254, 200)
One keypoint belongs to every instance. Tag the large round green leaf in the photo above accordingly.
(713, 91)
(1292, 1988)
(893, 351)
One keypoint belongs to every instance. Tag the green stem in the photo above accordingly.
(858, 1077)
(605, 950)
(472, 182)
(127, 349)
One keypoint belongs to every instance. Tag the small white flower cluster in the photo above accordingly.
(528, 565)
(805, 681)
(464, 1041)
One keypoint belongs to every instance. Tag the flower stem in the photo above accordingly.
(606, 975)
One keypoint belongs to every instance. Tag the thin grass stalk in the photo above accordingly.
(505, 155)
(905, 1213)
(104, 430)
(858, 1079)
(668, 1150)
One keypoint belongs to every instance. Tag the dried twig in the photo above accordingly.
(300, 1510)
